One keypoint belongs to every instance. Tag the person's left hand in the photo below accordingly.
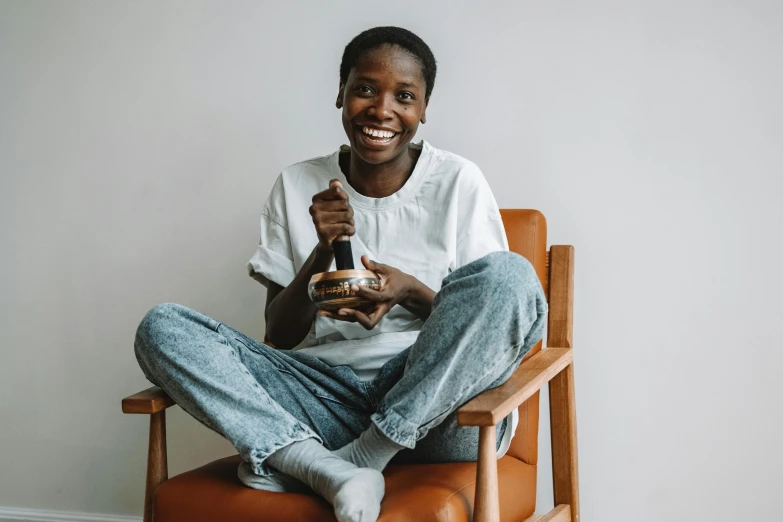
(394, 288)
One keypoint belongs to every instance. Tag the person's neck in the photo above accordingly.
(380, 181)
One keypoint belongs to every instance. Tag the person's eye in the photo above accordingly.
(364, 89)
(406, 96)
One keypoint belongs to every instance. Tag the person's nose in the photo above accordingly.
(383, 109)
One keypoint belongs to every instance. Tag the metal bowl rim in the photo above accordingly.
(344, 274)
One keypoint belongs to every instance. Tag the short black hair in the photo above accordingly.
(378, 36)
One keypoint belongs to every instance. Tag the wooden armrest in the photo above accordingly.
(492, 406)
(152, 400)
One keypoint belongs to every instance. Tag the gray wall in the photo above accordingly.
(138, 141)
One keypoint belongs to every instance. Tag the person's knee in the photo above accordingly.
(509, 270)
(155, 327)
(514, 282)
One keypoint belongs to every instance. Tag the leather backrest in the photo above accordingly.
(526, 232)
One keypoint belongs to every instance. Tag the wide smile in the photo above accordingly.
(376, 138)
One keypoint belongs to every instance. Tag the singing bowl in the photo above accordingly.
(331, 291)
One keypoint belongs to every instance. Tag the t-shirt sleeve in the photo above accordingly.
(480, 227)
(274, 258)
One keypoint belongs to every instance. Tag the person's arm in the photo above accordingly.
(419, 299)
(289, 312)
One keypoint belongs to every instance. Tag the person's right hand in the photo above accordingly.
(332, 214)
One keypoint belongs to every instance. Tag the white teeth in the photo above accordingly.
(378, 133)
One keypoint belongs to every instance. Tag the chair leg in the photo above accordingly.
(562, 416)
(157, 463)
(560, 513)
(487, 508)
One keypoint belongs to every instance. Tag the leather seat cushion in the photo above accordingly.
(422, 492)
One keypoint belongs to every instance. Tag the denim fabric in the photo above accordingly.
(486, 317)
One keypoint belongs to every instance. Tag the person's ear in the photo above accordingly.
(424, 112)
(340, 92)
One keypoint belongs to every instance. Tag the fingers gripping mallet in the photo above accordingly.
(331, 291)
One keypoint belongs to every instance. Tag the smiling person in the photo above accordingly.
(328, 400)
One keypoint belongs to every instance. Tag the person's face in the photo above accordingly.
(384, 95)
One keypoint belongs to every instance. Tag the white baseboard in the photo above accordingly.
(8, 514)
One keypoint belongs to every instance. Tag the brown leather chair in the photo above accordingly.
(488, 491)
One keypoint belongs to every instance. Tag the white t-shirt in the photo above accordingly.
(445, 216)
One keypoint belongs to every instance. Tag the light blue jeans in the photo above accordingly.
(485, 318)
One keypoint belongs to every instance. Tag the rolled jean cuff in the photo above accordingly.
(397, 428)
(258, 457)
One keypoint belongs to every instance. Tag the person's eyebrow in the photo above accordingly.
(368, 79)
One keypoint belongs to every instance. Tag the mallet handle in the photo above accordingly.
(343, 256)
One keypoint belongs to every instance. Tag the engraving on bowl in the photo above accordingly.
(333, 294)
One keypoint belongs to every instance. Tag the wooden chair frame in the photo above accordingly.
(553, 364)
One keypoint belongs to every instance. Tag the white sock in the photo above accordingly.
(277, 482)
(355, 492)
(372, 449)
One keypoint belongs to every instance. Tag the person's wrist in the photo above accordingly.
(323, 251)
(410, 292)
(324, 255)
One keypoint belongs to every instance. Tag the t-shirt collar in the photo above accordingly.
(399, 197)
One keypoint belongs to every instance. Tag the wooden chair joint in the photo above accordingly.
(149, 401)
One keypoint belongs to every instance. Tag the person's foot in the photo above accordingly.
(277, 482)
(372, 449)
(358, 498)
(355, 492)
